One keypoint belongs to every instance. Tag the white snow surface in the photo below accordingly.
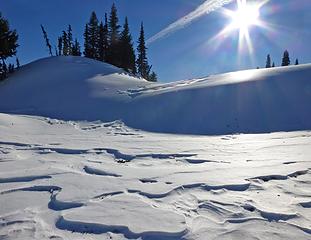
(76, 88)
(76, 161)
(94, 180)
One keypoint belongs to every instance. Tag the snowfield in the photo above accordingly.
(75, 88)
(229, 157)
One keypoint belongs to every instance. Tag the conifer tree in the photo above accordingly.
(286, 59)
(69, 40)
(106, 41)
(8, 40)
(103, 40)
(65, 44)
(153, 77)
(87, 47)
(93, 36)
(127, 53)
(47, 41)
(76, 49)
(60, 46)
(113, 56)
(296, 62)
(143, 68)
(268, 62)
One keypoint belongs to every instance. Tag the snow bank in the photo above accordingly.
(76, 88)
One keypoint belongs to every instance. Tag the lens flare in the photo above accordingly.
(245, 16)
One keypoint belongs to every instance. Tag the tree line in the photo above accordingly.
(285, 60)
(105, 41)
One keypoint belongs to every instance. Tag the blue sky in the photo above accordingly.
(187, 53)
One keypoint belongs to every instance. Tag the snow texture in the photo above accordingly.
(89, 180)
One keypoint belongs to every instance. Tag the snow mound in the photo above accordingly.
(76, 88)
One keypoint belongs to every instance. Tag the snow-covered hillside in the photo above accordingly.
(75, 88)
(92, 180)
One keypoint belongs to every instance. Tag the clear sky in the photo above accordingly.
(187, 53)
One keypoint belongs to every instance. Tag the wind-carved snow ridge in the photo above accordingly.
(92, 228)
(23, 179)
(282, 177)
(99, 172)
(81, 89)
(57, 205)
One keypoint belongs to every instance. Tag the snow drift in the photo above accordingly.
(76, 88)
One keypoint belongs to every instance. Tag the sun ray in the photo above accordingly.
(244, 17)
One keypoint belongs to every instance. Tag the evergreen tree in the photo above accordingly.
(127, 53)
(17, 63)
(60, 46)
(286, 59)
(153, 77)
(8, 45)
(296, 62)
(65, 44)
(273, 64)
(268, 62)
(143, 68)
(106, 41)
(103, 40)
(8, 40)
(76, 49)
(47, 41)
(113, 56)
(69, 40)
(87, 47)
(93, 36)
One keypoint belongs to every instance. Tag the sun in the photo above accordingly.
(245, 16)
(242, 19)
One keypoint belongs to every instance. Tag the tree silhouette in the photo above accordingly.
(286, 59)
(143, 68)
(268, 62)
(103, 40)
(127, 53)
(114, 38)
(47, 41)
(296, 62)
(76, 49)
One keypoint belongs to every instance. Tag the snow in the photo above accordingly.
(93, 180)
(77, 166)
(252, 101)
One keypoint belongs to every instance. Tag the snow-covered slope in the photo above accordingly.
(68, 88)
(92, 180)
(75, 88)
